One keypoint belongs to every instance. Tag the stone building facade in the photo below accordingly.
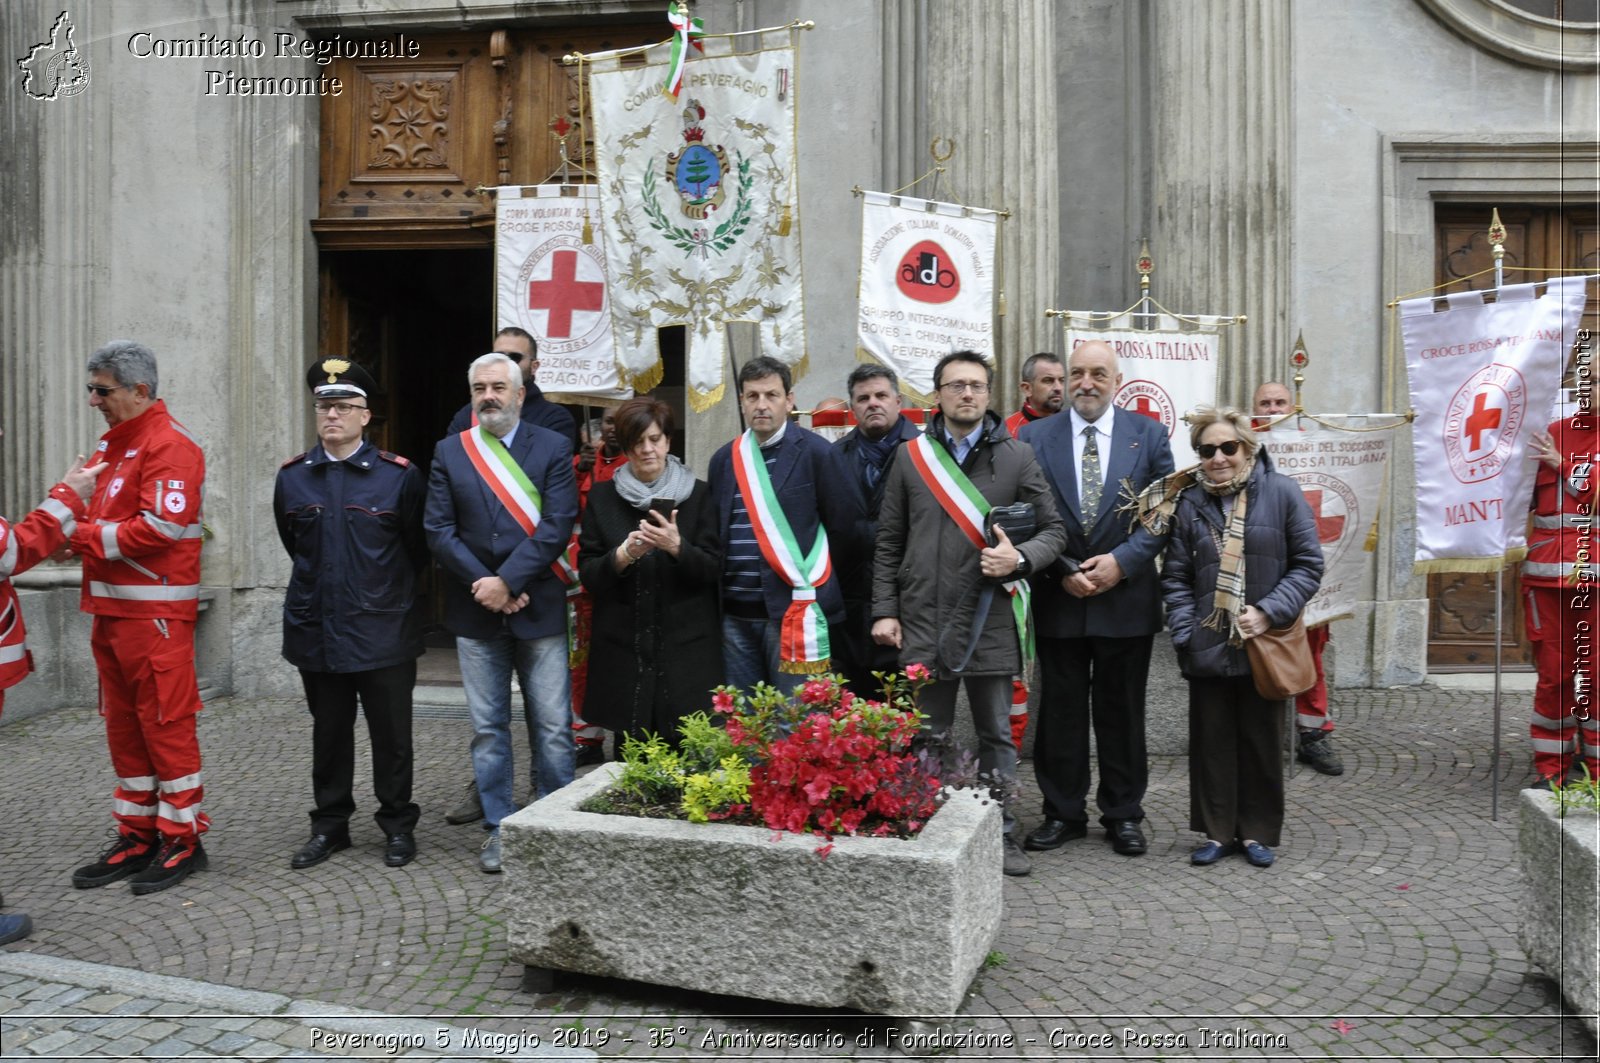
(1285, 161)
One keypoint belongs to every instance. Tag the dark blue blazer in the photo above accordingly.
(472, 535)
(1139, 454)
(815, 487)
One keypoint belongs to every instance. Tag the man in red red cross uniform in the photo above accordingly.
(140, 545)
(1313, 725)
(23, 545)
(1558, 580)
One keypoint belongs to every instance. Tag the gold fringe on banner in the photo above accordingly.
(701, 401)
(645, 380)
(1468, 564)
(1371, 543)
(805, 667)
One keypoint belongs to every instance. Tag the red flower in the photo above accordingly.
(917, 672)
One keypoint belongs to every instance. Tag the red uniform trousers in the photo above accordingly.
(1561, 626)
(149, 697)
(579, 622)
(1311, 708)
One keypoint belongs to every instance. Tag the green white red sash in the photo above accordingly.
(500, 471)
(965, 504)
(803, 637)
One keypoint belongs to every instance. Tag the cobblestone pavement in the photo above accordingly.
(1386, 930)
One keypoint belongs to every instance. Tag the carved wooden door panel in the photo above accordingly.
(1461, 604)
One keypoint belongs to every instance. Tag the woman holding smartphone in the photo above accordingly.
(650, 559)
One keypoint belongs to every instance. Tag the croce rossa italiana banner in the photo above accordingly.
(552, 284)
(1483, 378)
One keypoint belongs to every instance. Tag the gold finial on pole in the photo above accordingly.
(1497, 245)
(1299, 358)
(1145, 265)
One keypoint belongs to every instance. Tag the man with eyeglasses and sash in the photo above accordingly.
(1098, 607)
(140, 545)
(944, 593)
(350, 517)
(502, 498)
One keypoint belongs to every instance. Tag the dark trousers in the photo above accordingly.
(385, 696)
(1235, 761)
(856, 656)
(1098, 680)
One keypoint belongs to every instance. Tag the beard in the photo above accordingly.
(498, 419)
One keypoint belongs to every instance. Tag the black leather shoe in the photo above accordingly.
(319, 848)
(1053, 833)
(1126, 838)
(400, 850)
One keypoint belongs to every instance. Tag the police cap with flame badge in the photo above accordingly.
(336, 378)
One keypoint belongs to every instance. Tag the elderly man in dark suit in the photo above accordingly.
(502, 498)
(1097, 609)
(792, 519)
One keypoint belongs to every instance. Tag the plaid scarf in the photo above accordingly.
(1155, 508)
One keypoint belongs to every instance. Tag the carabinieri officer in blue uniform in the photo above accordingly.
(350, 516)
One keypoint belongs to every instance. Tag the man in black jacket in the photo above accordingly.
(869, 451)
(1096, 624)
(350, 517)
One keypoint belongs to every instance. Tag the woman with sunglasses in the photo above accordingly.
(1243, 557)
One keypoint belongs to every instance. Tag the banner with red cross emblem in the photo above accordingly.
(551, 283)
(1483, 378)
(1341, 475)
(1166, 371)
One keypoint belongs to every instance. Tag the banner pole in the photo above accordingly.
(1497, 242)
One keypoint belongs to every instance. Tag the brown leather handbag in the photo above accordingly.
(1280, 661)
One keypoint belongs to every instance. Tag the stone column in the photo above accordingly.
(1222, 156)
(982, 73)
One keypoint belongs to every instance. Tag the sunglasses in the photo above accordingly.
(105, 389)
(1207, 451)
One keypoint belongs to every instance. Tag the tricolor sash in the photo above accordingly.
(803, 637)
(501, 473)
(964, 504)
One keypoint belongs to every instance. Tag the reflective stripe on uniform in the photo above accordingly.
(128, 808)
(1560, 520)
(108, 542)
(62, 514)
(8, 557)
(188, 782)
(12, 654)
(141, 782)
(178, 815)
(186, 592)
(172, 529)
(1547, 569)
(1551, 745)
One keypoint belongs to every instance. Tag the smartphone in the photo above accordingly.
(663, 506)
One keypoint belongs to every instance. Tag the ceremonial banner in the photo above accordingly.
(1483, 378)
(551, 283)
(698, 201)
(1166, 371)
(1341, 475)
(926, 285)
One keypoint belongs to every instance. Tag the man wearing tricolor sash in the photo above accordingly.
(1098, 608)
(792, 516)
(502, 498)
(945, 594)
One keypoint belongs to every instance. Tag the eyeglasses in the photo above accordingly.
(956, 387)
(343, 409)
(515, 356)
(105, 389)
(1207, 451)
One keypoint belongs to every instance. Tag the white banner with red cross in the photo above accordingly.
(1483, 378)
(551, 283)
(1166, 371)
(926, 286)
(1341, 475)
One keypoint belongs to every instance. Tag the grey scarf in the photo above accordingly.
(675, 482)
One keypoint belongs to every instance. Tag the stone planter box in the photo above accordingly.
(1560, 923)
(885, 926)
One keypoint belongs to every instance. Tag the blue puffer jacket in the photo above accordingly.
(1282, 567)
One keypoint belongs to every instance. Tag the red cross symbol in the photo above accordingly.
(1480, 421)
(563, 293)
(1328, 528)
(1143, 405)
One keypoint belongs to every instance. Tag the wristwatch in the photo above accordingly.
(1023, 568)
